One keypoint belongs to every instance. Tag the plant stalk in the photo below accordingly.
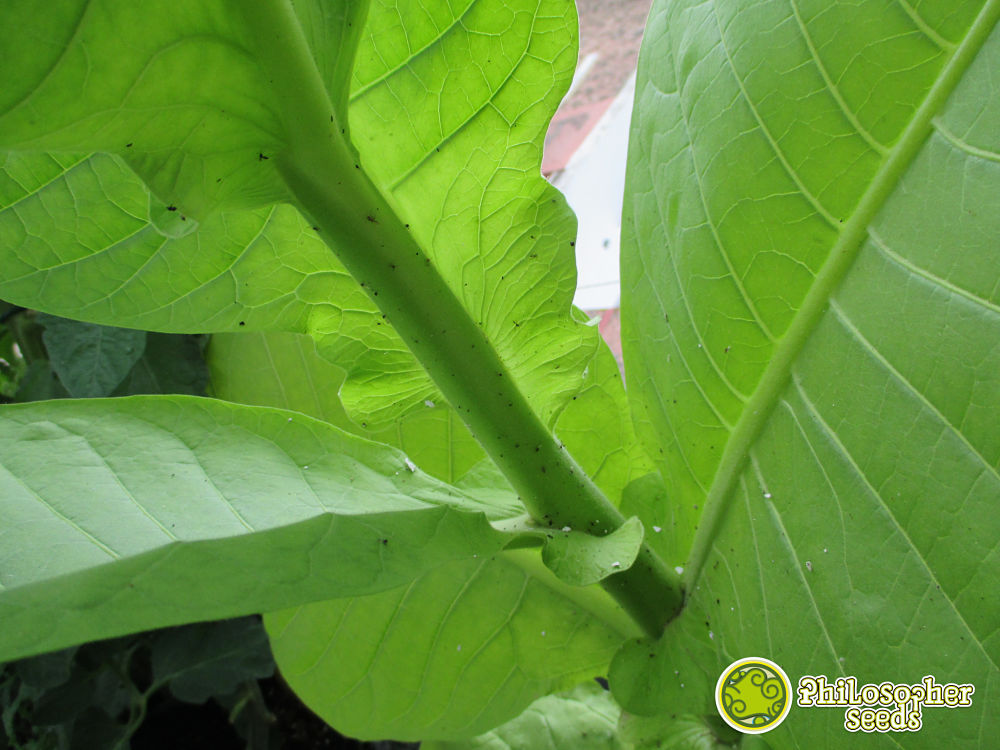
(328, 183)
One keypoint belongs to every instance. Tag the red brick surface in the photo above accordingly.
(613, 30)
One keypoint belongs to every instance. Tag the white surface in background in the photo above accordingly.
(594, 183)
(582, 68)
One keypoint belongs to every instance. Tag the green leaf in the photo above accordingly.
(582, 719)
(207, 659)
(460, 650)
(284, 370)
(596, 427)
(811, 330)
(580, 559)
(90, 360)
(72, 90)
(78, 240)
(170, 363)
(207, 510)
(551, 635)
(462, 168)
(485, 222)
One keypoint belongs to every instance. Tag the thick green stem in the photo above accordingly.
(330, 186)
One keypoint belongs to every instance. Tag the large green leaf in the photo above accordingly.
(812, 337)
(457, 652)
(448, 111)
(522, 632)
(449, 107)
(195, 509)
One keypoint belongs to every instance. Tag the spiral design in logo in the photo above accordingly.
(753, 695)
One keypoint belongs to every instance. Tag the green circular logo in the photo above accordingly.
(752, 695)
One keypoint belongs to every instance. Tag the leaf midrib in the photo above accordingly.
(758, 408)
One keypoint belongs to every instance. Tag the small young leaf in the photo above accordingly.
(581, 559)
(90, 360)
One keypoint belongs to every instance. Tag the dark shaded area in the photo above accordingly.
(158, 691)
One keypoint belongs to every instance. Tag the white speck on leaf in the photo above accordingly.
(657, 529)
(679, 570)
(809, 566)
(429, 404)
(566, 528)
(459, 647)
(616, 564)
(409, 464)
(767, 495)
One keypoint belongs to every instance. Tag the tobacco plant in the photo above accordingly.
(420, 462)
